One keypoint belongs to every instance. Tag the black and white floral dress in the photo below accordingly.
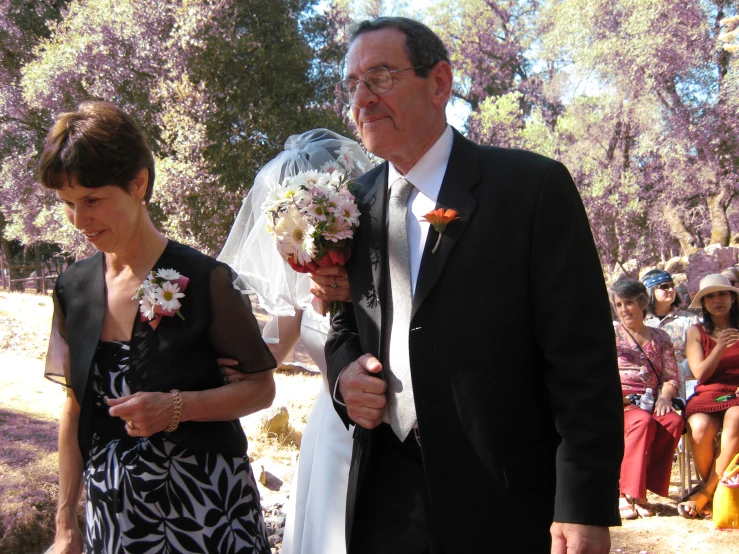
(148, 495)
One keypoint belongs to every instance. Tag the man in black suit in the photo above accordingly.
(505, 432)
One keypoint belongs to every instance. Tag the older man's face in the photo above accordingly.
(402, 124)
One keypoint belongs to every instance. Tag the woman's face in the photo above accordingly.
(108, 216)
(628, 310)
(664, 293)
(718, 303)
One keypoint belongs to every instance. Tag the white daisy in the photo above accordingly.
(294, 233)
(346, 159)
(308, 179)
(288, 192)
(167, 296)
(168, 274)
(273, 200)
(148, 304)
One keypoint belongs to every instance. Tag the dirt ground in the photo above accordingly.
(30, 405)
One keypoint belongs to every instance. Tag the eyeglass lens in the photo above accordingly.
(379, 80)
(666, 286)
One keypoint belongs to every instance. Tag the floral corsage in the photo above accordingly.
(439, 219)
(159, 295)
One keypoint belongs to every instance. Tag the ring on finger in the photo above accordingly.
(131, 425)
(334, 285)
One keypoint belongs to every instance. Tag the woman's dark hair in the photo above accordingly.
(650, 306)
(708, 323)
(100, 145)
(423, 46)
(630, 289)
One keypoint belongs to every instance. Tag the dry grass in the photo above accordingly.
(30, 405)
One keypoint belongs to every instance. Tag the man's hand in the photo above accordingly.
(574, 538)
(363, 392)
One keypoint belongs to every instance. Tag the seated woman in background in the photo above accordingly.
(713, 354)
(663, 310)
(646, 359)
(148, 428)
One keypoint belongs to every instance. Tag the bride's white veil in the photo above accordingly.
(252, 252)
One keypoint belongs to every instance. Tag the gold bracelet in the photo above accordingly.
(177, 401)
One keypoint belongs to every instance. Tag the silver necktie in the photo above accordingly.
(400, 404)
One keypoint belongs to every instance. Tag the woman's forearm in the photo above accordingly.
(707, 367)
(70, 466)
(668, 392)
(253, 393)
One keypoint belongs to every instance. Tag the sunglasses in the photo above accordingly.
(666, 286)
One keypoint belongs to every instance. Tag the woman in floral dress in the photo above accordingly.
(148, 427)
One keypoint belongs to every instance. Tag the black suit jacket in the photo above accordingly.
(512, 354)
(181, 354)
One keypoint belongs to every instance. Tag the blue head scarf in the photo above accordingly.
(657, 278)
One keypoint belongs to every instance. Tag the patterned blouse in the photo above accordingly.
(676, 323)
(634, 369)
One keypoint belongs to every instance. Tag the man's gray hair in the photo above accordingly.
(423, 46)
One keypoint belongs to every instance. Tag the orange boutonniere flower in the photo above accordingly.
(439, 219)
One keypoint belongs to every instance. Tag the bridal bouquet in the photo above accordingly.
(313, 215)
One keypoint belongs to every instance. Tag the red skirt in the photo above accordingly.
(704, 399)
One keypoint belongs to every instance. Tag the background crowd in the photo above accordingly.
(662, 348)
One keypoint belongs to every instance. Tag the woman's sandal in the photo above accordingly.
(625, 508)
(644, 510)
(689, 508)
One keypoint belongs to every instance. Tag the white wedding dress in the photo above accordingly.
(316, 510)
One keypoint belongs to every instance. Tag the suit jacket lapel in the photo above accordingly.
(369, 250)
(462, 174)
(85, 306)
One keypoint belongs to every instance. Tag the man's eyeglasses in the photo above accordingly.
(666, 286)
(379, 80)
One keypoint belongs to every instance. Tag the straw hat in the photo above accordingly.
(712, 283)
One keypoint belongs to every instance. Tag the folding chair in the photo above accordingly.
(689, 478)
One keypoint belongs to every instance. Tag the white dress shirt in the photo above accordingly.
(426, 177)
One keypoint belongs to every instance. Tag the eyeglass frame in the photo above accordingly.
(669, 286)
(392, 72)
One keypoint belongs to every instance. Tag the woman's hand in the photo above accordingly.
(331, 284)
(663, 406)
(145, 413)
(230, 375)
(726, 338)
(68, 540)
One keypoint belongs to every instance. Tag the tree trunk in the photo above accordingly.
(680, 231)
(4, 246)
(720, 233)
